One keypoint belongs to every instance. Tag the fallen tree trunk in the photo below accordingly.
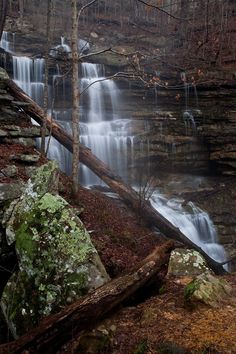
(113, 181)
(57, 329)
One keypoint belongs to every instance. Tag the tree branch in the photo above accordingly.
(84, 7)
(161, 10)
(95, 53)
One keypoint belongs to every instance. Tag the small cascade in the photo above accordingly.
(66, 47)
(6, 43)
(61, 48)
(28, 75)
(56, 150)
(188, 114)
(192, 222)
(103, 131)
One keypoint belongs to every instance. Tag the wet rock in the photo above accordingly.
(3, 75)
(27, 158)
(29, 142)
(207, 289)
(57, 260)
(9, 171)
(16, 131)
(10, 191)
(186, 262)
(3, 133)
(94, 35)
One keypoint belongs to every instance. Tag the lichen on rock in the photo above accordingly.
(57, 260)
(207, 289)
(186, 262)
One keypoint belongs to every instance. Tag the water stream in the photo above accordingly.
(111, 137)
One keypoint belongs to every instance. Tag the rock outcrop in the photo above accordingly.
(57, 261)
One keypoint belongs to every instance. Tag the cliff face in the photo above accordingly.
(186, 122)
(191, 37)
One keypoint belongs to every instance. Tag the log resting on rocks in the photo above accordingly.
(57, 329)
(151, 215)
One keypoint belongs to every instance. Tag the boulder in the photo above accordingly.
(57, 260)
(10, 191)
(186, 262)
(207, 289)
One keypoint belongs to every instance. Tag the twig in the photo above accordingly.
(84, 7)
(165, 12)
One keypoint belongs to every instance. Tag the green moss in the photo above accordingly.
(189, 290)
(57, 261)
(142, 347)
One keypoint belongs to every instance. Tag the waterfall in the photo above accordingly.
(111, 138)
(188, 114)
(28, 74)
(5, 42)
(60, 48)
(101, 128)
(192, 222)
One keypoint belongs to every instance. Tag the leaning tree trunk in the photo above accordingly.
(57, 329)
(3, 14)
(151, 215)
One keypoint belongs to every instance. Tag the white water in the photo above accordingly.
(192, 222)
(5, 42)
(103, 130)
(29, 75)
(111, 139)
(60, 48)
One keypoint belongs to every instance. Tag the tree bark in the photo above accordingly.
(45, 90)
(3, 14)
(151, 215)
(75, 97)
(57, 329)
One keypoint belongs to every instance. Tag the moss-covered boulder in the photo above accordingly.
(57, 261)
(186, 262)
(207, 289)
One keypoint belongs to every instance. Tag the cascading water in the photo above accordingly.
(188, 116)
(102, 129)
(28, 74)
(60, 48)
(112, 140)
(6, 43)
(192, 222)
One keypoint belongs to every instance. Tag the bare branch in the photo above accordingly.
(84, 7)
(115, 76)
(95, 53)
(164, 11)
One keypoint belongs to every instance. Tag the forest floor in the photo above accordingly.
(158, 319)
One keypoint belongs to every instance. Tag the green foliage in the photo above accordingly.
(189, 290)
(162, 290)
(142, 347)
(170, 348)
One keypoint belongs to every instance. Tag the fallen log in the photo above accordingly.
(57, 329)
(151, 215)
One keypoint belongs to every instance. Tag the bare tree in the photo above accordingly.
(45, 93)
(75, 14)
(75, 96)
